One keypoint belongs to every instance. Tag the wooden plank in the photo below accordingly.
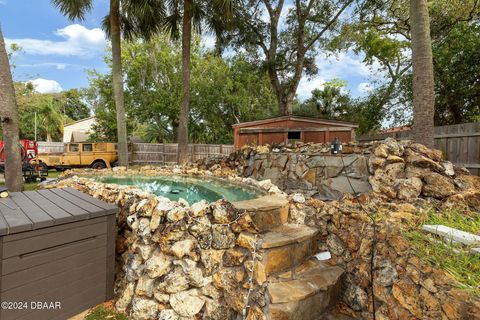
(52, 267)
(51, 240)
(3, 224)
(70, 294)
(94, 210)
(1, 270)
(270, 130)
(109, 208)
(110, 253)
(57, 213)
(457, 135)
(39, 218)
(16, 220)
(57, 280)
(76, 212)
(57, 228)
(468, 165)
(17, 263)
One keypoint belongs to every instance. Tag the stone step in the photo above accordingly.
(266, 212)
(287, 246)
(305, 293)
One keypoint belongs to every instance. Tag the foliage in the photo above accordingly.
(223, 92)
(73, 104)
(456, 66)
(102, 312)
(329, 103)
(100, 97)
(284, 38)
(52, 111)
(457, 261)
(47, 108)
(383, 35)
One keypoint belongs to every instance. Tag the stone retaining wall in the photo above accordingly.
(178, 261)
(175, 260)
(308, 168)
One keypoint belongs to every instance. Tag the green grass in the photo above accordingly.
(101, 313)
(457, 260)
(34, 186)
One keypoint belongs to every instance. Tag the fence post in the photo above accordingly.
(163, 154)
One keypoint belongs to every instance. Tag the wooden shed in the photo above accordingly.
(292, 128)
(57, 253)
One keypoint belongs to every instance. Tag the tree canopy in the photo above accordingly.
(224, 92)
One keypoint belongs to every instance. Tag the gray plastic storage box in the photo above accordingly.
(57, 253)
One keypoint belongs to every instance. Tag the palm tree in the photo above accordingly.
(423, 85)
(9, 122)
(195, 13)
(130, 18)
(51, 120)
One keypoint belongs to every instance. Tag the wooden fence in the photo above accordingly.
(460, 143)
(165, 153)
(50, 147)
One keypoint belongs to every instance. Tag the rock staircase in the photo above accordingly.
(299, 287)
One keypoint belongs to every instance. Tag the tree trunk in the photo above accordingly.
(182, 156)
(9, 120)
(118, 82)
(423, 84)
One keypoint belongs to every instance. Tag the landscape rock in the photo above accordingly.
(187, 303)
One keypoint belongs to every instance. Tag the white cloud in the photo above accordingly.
(56, 65)
(343, 65)
(364, 87)
(46, 86)
(306, 87)
(79, 41)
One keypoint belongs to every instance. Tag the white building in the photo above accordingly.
(78, 131)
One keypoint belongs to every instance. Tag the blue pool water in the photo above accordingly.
(188, 188)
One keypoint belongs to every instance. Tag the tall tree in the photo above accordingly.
(210, 13)
(9, 122)
(284, 38)
(423, 81)
(50, 117)
(184, 104)
(115, 36)
(223, 92)
(137, 17)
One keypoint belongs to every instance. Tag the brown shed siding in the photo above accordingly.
(51, 261)
(275, 130)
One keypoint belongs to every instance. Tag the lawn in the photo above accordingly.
(34, 186)
(102, 312)
(456, 260)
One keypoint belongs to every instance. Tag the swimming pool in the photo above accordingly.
(189, 188)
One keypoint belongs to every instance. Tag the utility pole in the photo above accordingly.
(35, 125)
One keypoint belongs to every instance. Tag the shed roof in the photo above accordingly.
(297, 118)
(31, 210)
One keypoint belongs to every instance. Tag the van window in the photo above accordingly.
(87, 147)
(73, 147)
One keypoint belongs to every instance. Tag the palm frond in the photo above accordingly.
(140, 18)
(73, 9)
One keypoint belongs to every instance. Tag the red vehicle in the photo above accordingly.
(28, 151)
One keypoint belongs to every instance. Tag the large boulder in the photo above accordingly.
(438, 186)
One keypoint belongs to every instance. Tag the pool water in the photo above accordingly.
(188, 188)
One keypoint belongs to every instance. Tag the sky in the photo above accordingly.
(57, 52)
